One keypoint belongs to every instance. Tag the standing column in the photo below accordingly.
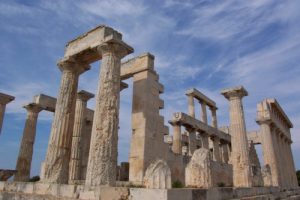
(292, 164)
(177, 146)
(204, 140)
(102, 164)
(239, 141)
(216, 148)
(55, 169)
(289, 163)
(4, 99)
(192, 140)
(269, 152)
(77, 139)
(203, 112)
(225, 153)
(214, 121)
(26, 149)
(191, 106)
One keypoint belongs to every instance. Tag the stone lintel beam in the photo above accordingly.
(254, 136)
(136, 65)
(5, 98)
(46, 102)
(235, 92)
(201, 97)
(188, 121)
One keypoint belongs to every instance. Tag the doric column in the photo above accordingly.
(292, 164)
(203, 112)
(214, 121)
(191, 106)
(192, 140)
(282, 160)
(78, 134)
(26, 149)
(55, 169)
(204, 140)
(177, 146)
(102, 164)
(225, 152)
(4, 99)
(239, 141)
(269, 150)
(216, 148)
(289, 163)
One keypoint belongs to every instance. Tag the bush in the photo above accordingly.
(34, 179)
(177, 184)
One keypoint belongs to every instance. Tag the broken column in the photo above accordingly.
(78, 131)
(239, 141)
(26, 149)
(4, 99)
(102, 163)
(55, 168)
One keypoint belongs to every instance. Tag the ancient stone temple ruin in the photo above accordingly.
(193, 160)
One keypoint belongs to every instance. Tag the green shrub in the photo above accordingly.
(177, 184)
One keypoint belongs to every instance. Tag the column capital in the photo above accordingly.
(233, 93)
(72, 65)
(119, 48)
(5, 98)
(84, 95)
(33, 108)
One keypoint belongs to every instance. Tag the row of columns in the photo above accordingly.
(221, 149)
(191, 111)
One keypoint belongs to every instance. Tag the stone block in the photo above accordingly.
(148, 194)
(158, 175)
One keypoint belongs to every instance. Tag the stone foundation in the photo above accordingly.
(44, 191)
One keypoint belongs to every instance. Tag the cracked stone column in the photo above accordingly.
(239, 141)
(269, 152)
(26, 149)
(177, 146)
(214, 121)
(102, 163)
(216, 148)
(55, 168)
(4, 99)
(203, 112)
(77, 139)
(191, 106)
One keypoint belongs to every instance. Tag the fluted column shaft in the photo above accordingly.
(216, 148)
(177, 146)
(292, 164)
(102, 164)
(269, 152)
(214, 121)
(26, 149)
(191, 106)
(55, 169)
(282, 160)
(192, 141)
(203, 112)
(78, 134)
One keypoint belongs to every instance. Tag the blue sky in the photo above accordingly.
(206, 44)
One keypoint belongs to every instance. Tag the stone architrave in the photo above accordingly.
(197, 172)
(158, 175)
(104, 139)
(78, 134)
(55, 168)
(26, 149)
(4, 99)
(240, 151)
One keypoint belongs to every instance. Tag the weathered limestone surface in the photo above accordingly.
(26, 149)
(177, 145)
(56, 165)
(257, 179)
(239, 142)
(104, 139)
(78, 135)
(267, 176)
(158, 175)
(4, 99)
(197, 172)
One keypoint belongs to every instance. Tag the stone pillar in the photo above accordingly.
(4, 99)
(26, 149)
(239, 141)
(225, 152)
(55, 169)
(269, 152)
(282, 160)
(289, 163)
(177, 146)
(204, 140)
(292, 164)
(191, 106)
(216, 148)
(203, 112)
(192, 141)
(77, 139)
(102, 164)
(214, 121)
